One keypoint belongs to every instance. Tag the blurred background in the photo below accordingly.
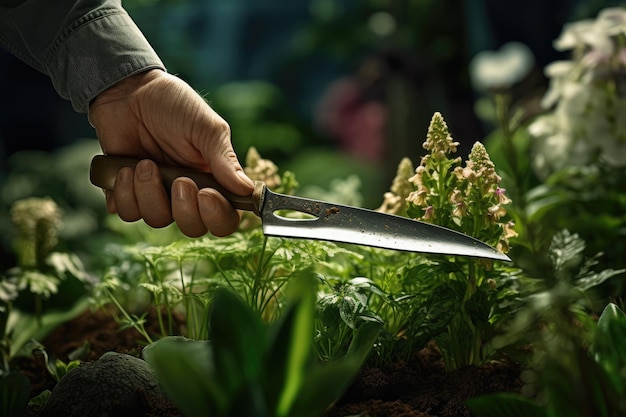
(324, 88)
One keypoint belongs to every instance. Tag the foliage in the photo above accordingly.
(55, 366)
(45, 287)
(576, 382)
(575, 176)
(341, 311)
(250, 368)
(470, 200)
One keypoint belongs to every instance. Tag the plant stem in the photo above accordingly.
(139, 327)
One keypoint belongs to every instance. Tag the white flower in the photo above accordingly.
(612, 20)
(587, 96)
(503, 68)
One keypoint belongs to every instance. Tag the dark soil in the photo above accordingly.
(420, 387)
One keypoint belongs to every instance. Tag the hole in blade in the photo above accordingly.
(294, 215)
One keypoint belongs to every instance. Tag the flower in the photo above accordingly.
(260, 169)
(401, 188)
(38, 221)
(419, 197)
(438, 139)
(465, 198)
(586, 97)
(429, 213)
(491, 70)
(496, 212)
(501, 196)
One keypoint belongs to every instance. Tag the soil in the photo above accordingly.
(420, 387)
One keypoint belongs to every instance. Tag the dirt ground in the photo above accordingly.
(420, 387)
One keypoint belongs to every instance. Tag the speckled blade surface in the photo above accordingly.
(339, 223)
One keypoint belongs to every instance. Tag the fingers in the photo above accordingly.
(217, 212)
(185, 208)
(198, 211)
(140, 194)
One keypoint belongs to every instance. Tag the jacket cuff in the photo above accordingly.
(96, 52)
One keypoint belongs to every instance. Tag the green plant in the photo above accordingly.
(575, 381)
(45, 287)
(55, 366)
(252, 368)
(183, 276)
(469, 199)
(340, 313)
(579, 366)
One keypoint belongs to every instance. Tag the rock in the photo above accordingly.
(116, 385)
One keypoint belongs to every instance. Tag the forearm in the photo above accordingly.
(85, 46)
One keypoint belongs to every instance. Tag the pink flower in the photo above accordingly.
(502, 198)
(429, 213)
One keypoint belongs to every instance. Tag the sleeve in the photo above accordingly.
(84, 46)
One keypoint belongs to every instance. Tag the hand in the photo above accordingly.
(158, 116)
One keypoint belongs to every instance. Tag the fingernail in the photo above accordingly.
(182, 191)
(144, 171)
(205, 202)
(126, 175)
(245, 178)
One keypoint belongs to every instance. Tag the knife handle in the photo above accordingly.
(104, 169)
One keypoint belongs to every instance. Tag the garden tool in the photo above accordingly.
(320, 220)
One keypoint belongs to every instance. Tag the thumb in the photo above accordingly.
(226, 169)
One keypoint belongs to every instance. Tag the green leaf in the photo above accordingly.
(363, 341)
(185, 370)
(575, 385)
(296, 332)
(324, 384)
(14, 392)
(609, 347)
(238, 338)
(504, 404)
(23, 326)
(41, 399)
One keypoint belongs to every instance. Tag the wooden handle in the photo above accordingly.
(104, 170)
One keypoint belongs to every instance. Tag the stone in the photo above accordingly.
(116, 385)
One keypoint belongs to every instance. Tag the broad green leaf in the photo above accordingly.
(322, 386)
(298, 334)
(575, 385)
(238, 337)
(22, 327)
(609, 347)
(186, 372)
(363, 341)
(324, 383)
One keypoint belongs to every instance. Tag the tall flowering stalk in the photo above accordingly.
(467, 198)
(444, 192)
(37, 221)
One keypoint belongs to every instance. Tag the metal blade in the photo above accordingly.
(339, 223)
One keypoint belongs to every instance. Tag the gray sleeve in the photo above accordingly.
(85, 46)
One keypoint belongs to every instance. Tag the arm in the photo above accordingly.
(98, 59)
(85, 46)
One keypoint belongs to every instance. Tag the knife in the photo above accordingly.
(324, 220)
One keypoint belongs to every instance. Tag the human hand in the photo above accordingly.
(158, 116)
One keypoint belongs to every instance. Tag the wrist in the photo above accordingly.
(122, 90)
(126, 86)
